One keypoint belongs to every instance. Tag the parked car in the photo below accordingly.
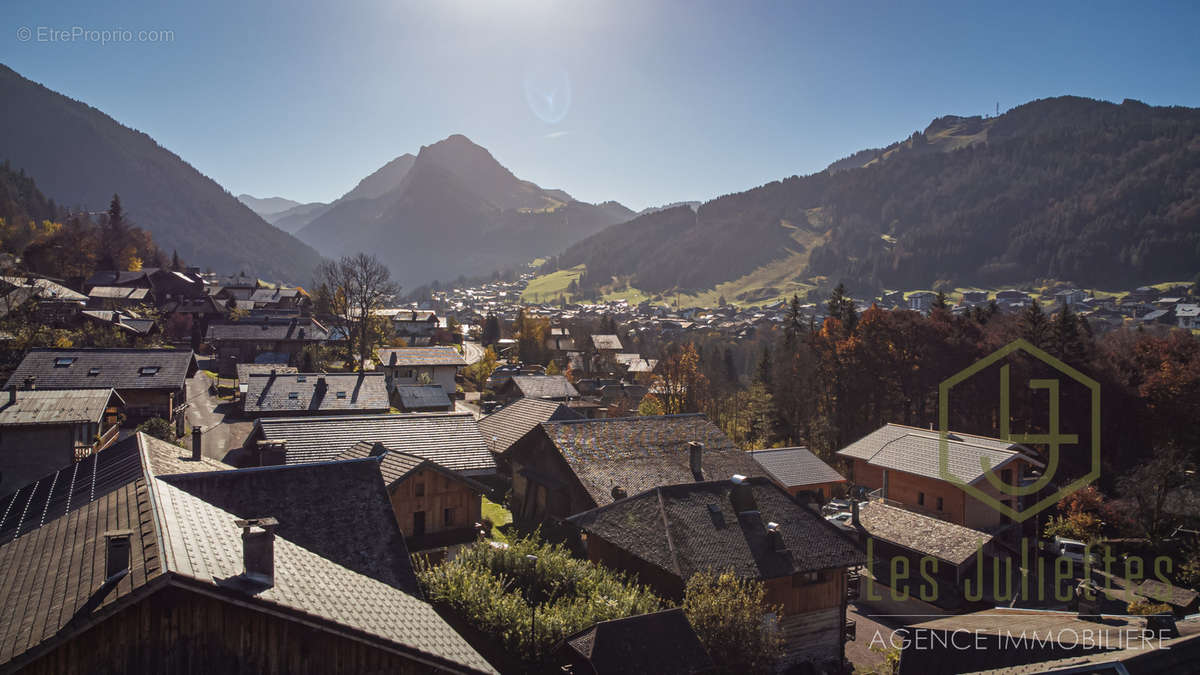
(1073, 550)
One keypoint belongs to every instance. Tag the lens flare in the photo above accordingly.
(548, 93)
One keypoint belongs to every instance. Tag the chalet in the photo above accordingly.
(116, 568)
(152, 382)
(284, 300)
(902, 463)
(1187, 316)
(245, 341)
(420, 365)
(415, 323)
(164, 284)
(663, 643)
(1070, 297)
(560, 340)
(503, 428)
(245, 370)
(1183, 601)
(546, 387)
(450, 439)
(973, 298)
(606, 344)
(434, 506)
(124, 321)
(890, 533)
(41, 431)
(118, 297)
(295, 394)
(413, 398)
(569, 466)
(799, 470)
(51, 303)
(749, 526)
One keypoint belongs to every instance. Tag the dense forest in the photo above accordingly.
(1096, 193)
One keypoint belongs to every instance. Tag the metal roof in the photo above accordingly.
(64, 406)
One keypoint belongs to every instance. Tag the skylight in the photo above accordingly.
(293, 395)
(93, 371)
(341, 394)
(148, 370)
(63, 361)
(301, 378)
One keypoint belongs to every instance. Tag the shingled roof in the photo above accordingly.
(544, 386)
(269, 330)
(315, 393)
(606, 342)
(796, 467)
(411, 357)
(450, 439)
(396, 466)
(357, 530)
(639, 453)
(660, 642)
(509, 424)
(52, 549)
(941, 539)
(691, 527)
(245, 370)
(63, 406)
(105, 368)
(423, 397)
(917, 451)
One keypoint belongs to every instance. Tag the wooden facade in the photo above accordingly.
(939, 498)
(177, 630)
(435, 507)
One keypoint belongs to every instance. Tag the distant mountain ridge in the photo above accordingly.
(79, 156)
(267, 206)
(453, 210)
(1087, 191)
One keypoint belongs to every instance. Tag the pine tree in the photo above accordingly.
(176, 264)
(841, 307)
(1034, 326)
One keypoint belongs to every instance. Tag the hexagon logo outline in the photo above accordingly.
(1093, 473)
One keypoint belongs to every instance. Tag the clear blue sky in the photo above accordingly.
(668, 102)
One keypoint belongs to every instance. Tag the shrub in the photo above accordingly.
(1146, 608)
(733, 621)
(496, 588)
(158, 428)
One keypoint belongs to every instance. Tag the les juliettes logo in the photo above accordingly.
(1054, 438)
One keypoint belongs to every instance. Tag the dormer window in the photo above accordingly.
(63, 361)
(301, 378)
(147, 371)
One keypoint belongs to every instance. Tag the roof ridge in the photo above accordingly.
(662, 511)
(632, 418)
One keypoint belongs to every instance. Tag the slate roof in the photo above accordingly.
(544, 386)
(409, 357)
(114, 368)
(1168, 593)
(357, 530)
(509, 424)
(692, 527)
(269, 330)
(119, 292)
(423, 396)
(165, 458)
(117, 278)
(120, 319)
(64, 406)
(396, 466)
(639, 453)
(450, 439)
(607, 342)
(50, 573)
(916, 451)
(660, 642)
(45, 288)
(304, 393)
(244, 370)
(796, 467)
(941, 539)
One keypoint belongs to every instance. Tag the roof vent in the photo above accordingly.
(116, 552)
(618, 492)
(258, 549)
(775, 537)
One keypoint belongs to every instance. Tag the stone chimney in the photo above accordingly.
(116, 552)
(258, 549)
(695, 455)
(392, 359)
(272, 453)
(31, 383)
(197, 444)
(618, 493)
(854, 513)
(742, 495)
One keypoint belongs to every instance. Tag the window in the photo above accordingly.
(301, 378)
(293, 395)
(148, 370)
(64, 361)
(920, 499)
(939, 505)
(448, 517)
(419, 490)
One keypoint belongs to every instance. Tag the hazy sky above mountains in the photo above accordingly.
(642, 102)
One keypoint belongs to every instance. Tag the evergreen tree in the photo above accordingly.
(490, 334)
(792, 324)
(1034, 326)
(940, 301)
(176, 264)
(841, 307)
(1071, 341)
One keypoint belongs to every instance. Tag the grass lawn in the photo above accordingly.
(498, 515)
